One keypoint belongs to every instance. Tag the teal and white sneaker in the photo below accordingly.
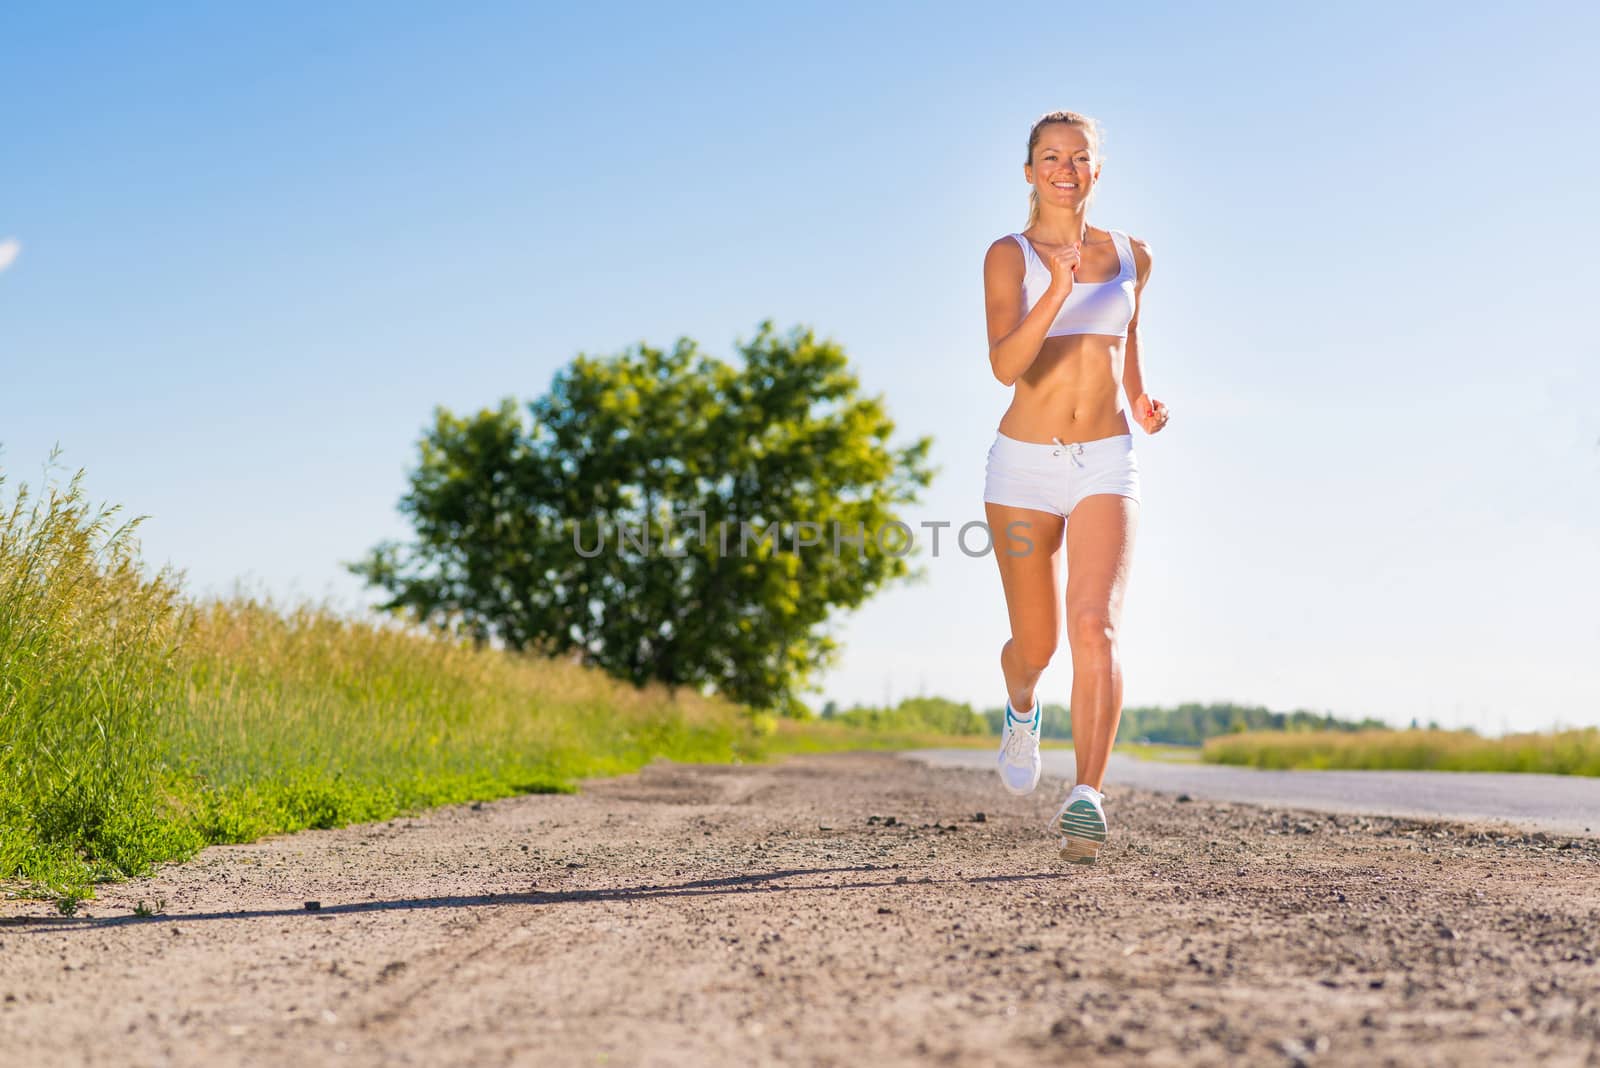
(1081, 819)
(1019, 749)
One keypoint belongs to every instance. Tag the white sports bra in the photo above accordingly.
(1092, 307)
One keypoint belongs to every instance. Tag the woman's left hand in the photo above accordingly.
(1151, 413)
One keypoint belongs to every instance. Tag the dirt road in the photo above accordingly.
(848, 909)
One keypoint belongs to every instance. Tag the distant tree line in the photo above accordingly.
(913, 714)
(1193, 723)
(1186, 724)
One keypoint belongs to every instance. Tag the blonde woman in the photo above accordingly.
(1063, 301)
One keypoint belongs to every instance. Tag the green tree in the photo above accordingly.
(652, 516)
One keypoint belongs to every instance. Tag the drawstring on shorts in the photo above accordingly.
(1074, 449)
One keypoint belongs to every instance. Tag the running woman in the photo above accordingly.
(1063, 301)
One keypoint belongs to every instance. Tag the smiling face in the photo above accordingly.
(1065, 167)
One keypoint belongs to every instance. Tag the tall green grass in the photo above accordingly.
(88, 650)
(1570, 752)
(137, 725)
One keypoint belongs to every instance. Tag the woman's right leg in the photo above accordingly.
(1030, 575)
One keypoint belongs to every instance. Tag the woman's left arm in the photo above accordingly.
(1150, 413)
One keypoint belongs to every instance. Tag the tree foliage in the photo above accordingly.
(695, 481)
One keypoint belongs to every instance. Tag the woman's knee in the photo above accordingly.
(1032, 654)
(1091, 628)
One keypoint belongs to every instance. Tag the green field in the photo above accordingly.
(1569, 752)
(1167, 754)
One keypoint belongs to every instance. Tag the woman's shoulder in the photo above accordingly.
(1140, 248)
(1005, 249)
(1137, 246)
(1136, 242)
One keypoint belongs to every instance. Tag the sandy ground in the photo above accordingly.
(848, 909)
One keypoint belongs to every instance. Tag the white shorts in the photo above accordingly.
(1055, 477)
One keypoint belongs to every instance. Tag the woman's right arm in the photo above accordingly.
(1015, 339)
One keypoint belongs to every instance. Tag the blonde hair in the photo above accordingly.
(1091, 131)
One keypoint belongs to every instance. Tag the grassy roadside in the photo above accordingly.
(1572, 752)
(1165, 754)
(269, 720)
(137, 726)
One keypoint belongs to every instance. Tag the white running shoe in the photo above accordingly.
(1019, 750)
(1081, 819)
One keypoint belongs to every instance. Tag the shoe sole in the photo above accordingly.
(1083, 832)
(1013, 791)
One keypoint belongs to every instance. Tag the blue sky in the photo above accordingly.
(252, 248)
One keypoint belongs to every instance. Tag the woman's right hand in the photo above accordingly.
(1062, 261)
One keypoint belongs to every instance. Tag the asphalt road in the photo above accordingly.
(1560, 804)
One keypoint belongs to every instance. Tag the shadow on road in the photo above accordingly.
(758, 883)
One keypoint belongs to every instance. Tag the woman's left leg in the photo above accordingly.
(1100, 535)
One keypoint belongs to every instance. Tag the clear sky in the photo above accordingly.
(245, 249)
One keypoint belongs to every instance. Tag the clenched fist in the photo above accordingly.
(1150, 413)
(1063, 260)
